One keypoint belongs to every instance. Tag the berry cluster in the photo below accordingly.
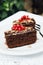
(24, 18)
(18, 27)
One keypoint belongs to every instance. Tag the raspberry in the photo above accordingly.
(19, 20)
(14, 27)
(24, 17)
(19, 29)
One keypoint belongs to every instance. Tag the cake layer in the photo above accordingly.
(20, 39)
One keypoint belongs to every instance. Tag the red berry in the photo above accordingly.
(18, 25)
(14, 27)
(19, 20)
(24, 17)
(19, 29)
(22, 27)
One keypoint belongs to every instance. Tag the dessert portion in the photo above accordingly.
(22, 33)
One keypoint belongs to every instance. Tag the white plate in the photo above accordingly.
(24, 50)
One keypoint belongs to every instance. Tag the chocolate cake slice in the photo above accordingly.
(22, 33)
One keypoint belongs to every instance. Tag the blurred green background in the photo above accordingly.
(9, 7)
